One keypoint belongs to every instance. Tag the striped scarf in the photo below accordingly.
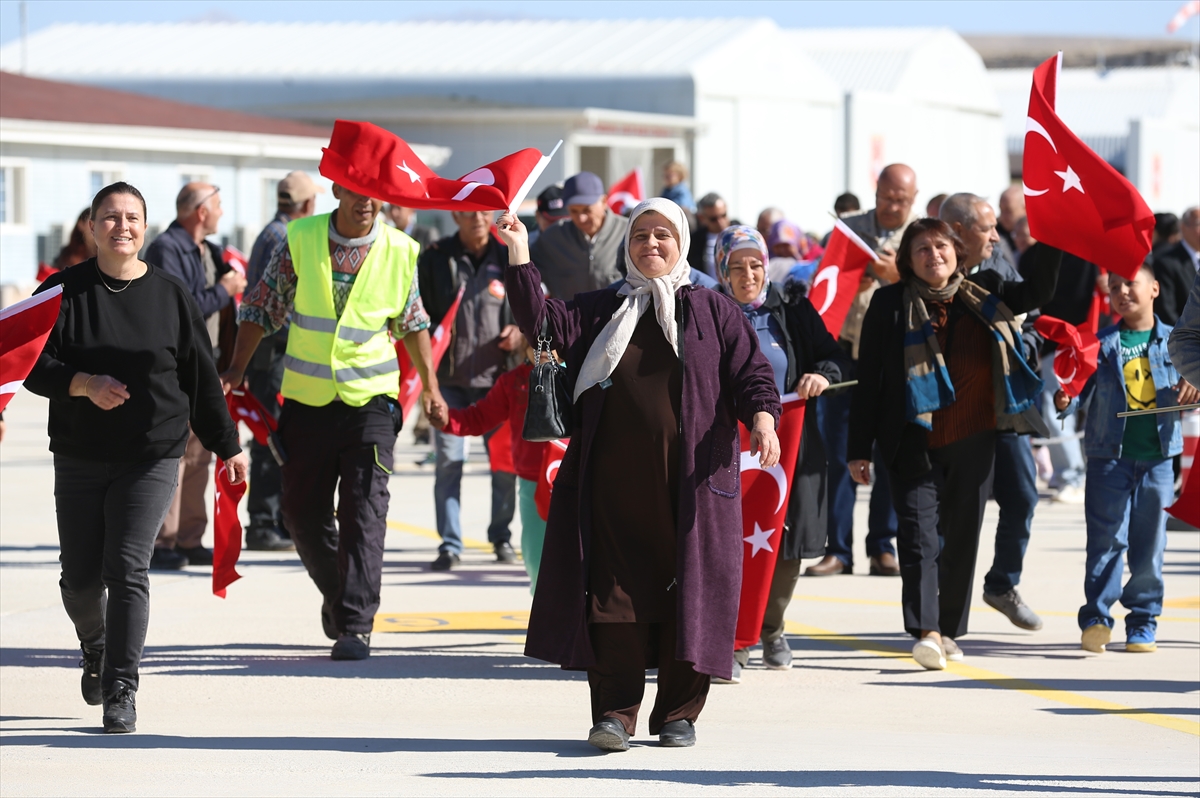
(928, 385)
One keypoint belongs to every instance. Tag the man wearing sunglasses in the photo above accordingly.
(184, 252)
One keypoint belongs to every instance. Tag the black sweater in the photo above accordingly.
(149, 336)
(877, 409)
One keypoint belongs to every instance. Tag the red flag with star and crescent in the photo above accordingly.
(551, 460)
(1077, 353)
(843, 263)
(626, 192)
(1074, 199)
(227, 530)
(376, 163)
(410, 380)
(765, 494)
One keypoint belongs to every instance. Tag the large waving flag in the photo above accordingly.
(24, 328)
(376, 163)
(1074, 199)
(765, 495)
(839, 273)
(410, 380)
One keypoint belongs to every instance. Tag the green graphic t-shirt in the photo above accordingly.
(1141, 432)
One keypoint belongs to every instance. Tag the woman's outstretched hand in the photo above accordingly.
(763, 440)
(516, 238)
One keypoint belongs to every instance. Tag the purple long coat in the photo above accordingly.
(726, 379)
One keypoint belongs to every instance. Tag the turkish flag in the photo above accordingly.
(551, 460)
(410, 380)
(764, 509)
(373, 162)
(626, 192)
(244, 407)
(1187, 507)
(227, 530)
(1074, 200)
(839, 273)
(239, 262)
(1078, 349)
(24, 328)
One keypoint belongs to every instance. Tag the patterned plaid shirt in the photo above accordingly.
(273, 297)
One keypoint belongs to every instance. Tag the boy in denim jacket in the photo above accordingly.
(1129, 475)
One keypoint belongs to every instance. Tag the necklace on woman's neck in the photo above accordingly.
(104, 282)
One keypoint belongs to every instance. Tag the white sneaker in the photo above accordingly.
(1070, 494)
(929, 655)
(952, 651)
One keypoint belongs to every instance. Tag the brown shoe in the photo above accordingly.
(885, 565)
(829, 566)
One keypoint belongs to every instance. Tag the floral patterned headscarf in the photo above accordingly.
(730, 240)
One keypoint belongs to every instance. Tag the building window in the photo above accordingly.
(12, 195)
(102, 175)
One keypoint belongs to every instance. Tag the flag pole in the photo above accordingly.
(1154, 410)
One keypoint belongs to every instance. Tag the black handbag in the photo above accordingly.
(548, 416)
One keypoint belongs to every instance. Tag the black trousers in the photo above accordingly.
(108, 517)
(940, 514)
(264, 500)
(624, 651)
(347, 450)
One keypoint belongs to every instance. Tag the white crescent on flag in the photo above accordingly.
(828, 275)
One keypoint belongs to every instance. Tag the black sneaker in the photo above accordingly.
(120, 714)
(609, 735)
(677, 734)
(445, 561)
(327, 622)
(267, 539)
(92, 663)
(164, 559)
(196, 555)
(351, 646)
(504, 552)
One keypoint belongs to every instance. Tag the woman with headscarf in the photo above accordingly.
(642, 561)
(806, 360)
(794, 253)
(940, 358)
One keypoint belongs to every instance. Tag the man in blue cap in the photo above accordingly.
(585, 252)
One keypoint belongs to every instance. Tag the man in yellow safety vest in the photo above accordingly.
(347, 280)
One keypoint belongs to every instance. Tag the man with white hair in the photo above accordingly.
(1015, 480)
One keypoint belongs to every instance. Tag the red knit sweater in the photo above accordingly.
(507, 400)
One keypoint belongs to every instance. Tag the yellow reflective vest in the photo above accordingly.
(352, 357)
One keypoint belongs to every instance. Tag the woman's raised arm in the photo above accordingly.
(523, 285)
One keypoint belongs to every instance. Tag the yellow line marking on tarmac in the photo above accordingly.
(1178, 604)
(451, 622)
(468, 543)
(1190, 603)
(1025, 686)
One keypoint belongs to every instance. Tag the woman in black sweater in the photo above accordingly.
(940, 356)
(127, 366)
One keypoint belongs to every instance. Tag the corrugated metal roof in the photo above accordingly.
(1097, 104)
(383, 49)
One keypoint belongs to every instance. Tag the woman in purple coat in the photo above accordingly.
(643, 556)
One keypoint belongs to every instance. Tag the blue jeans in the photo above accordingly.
(833, 419)
(1123, 503)
(451, 451)
(1015, 490)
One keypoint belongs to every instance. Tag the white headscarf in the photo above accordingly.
(609, 346)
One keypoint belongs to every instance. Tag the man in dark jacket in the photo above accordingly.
(183, 252)
(1175, 268)
(484, 338)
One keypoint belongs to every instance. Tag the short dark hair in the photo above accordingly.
(845, 203)
(1166, 225)
(927, 226)
(120, 187)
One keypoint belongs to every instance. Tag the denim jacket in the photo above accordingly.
(1104, 396)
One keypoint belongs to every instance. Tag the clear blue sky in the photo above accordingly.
(1138, 18)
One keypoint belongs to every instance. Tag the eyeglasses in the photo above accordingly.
(207, 197)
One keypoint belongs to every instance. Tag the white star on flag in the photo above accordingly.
(1070, 180)
(412, 381)
(408, 170)
(759, 540)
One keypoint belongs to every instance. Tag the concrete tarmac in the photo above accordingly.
(239, 696)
